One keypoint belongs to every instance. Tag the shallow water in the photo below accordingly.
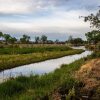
(42, 67)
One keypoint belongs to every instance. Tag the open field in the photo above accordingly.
(33, 55)
(26, 49)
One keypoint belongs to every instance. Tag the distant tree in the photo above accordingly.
(70, 39)
(56, 41)
(25, 39)
(37, 39)
(6, 38)
(78, 41)
(93, 37)
(12, 40)
(43, 39)
(50, 42)
(1, 35)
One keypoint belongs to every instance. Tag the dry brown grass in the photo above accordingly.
(89, 74)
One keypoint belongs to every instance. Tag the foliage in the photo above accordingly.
(93, 37)
(75, 41)
(6, 37)
(43, 39)
(25, 39)
(94, 20)
(1, 34)
(37, 39)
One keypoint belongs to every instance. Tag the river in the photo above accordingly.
(42, 67)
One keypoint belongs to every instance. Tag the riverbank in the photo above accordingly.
(11, 61)
(41, 87)
(60, 84)
(89, 75)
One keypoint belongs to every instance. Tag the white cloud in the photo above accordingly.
(14, 6)
(58, 22)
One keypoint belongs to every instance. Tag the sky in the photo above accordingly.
(58, 19)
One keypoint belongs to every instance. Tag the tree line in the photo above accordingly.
(8, 39)
(25, 39)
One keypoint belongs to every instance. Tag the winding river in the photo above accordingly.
(42, 67)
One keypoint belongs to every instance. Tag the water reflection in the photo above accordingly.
(41, 67)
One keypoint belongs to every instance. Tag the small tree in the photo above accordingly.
(93, 37)
(1, 35)
(78, 41)
(12, 40)
(43, 39)
(37, 39)
(25, 39)
(70, 39)
(6, 38)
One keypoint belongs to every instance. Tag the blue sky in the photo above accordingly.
(55, 18)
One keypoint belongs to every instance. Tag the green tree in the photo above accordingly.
(12, 40)
(1, 35)
(93, 37)
(6, 38)
(70, 39)
(94, 20)
(78, 41)
(37, 39)
(25, 39)
(43, 39)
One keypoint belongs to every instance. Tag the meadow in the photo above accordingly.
(26, 49)
(23, 56)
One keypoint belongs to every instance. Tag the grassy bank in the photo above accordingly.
(40, 87)
(32, 49)
(11, 61)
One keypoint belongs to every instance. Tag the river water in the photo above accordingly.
(42, 67)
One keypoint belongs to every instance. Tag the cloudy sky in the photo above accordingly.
(55, 18)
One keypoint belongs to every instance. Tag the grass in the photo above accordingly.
(35, 49)
(11, 61)
(39, 87)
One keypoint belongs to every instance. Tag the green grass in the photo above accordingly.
(39, 87)
(11, 61)
(34, 49)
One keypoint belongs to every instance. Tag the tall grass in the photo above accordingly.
(35, 49)
(10, 61)
(39, 87)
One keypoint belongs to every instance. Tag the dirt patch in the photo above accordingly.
(89, 75)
